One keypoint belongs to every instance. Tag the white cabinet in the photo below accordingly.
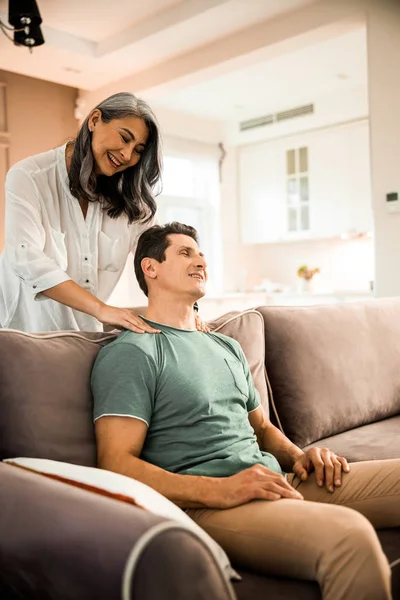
(338, 182)
(329, 182)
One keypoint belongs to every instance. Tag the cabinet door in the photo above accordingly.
(329, 182)
(340, 188)
(262, 193)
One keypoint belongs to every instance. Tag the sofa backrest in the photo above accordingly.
(45, 396)
(333, 368)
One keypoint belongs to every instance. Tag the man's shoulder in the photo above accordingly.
(131, 344)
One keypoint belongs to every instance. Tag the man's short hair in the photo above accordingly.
(153, 243)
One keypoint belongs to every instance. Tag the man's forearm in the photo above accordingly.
(187, 491)
(275, 442)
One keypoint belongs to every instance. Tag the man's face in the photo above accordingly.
(184, 269)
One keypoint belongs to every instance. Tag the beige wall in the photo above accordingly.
(40, 116)
(384, 101)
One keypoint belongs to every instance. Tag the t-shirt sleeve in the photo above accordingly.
(254, 397)
(123, 383)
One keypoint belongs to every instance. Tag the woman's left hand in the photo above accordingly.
(201, 325)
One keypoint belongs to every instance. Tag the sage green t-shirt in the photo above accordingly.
(193, 390)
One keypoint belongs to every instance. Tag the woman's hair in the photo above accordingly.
(130, 191)
(153, 243)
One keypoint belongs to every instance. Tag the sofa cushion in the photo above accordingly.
(45, 396)
(248, 329)
(333, 368)
(375, 441)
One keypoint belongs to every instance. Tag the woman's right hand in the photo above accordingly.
(123, 317)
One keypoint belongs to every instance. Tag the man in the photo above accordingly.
(179, 412)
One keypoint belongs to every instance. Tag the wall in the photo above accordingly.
(345, 265)
(384, 99)
(185, 126)
(234, 259)
(40, 114)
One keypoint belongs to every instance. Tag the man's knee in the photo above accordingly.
(352, 559)
(352, 534)
(348, 525)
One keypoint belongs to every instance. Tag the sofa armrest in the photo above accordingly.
(59, 542)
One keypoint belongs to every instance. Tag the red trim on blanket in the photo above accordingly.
(83, 486)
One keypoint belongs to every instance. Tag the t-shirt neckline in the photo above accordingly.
(167, 326)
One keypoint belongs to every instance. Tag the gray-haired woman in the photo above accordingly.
(73, 214)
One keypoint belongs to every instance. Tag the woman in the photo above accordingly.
(73, 214)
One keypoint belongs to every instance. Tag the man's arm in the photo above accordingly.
(327, 465)
(119, 444)
(270, 439)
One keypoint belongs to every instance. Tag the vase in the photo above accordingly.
(305, 286)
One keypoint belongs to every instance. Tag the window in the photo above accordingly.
(297, 194)
(178, 176)
(190, 195)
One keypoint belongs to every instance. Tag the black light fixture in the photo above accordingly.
(25, 19)
(31, 39)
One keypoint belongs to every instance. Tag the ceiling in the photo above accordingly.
(90, 44)
(334, 65)
(95, 20)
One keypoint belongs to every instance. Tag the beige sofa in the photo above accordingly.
(329, 375)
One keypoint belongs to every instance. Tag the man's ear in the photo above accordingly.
(149, 267)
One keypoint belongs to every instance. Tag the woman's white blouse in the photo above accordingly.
(48, 241)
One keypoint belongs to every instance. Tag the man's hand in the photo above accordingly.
(328, 467)
(256, 483)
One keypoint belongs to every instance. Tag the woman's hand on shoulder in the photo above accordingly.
(201, 325)
(124, 318)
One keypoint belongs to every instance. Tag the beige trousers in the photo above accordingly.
(328, 537)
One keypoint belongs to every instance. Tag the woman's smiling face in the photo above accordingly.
(117, 145)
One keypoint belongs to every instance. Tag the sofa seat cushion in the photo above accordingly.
(376, 441)
(333, 368)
